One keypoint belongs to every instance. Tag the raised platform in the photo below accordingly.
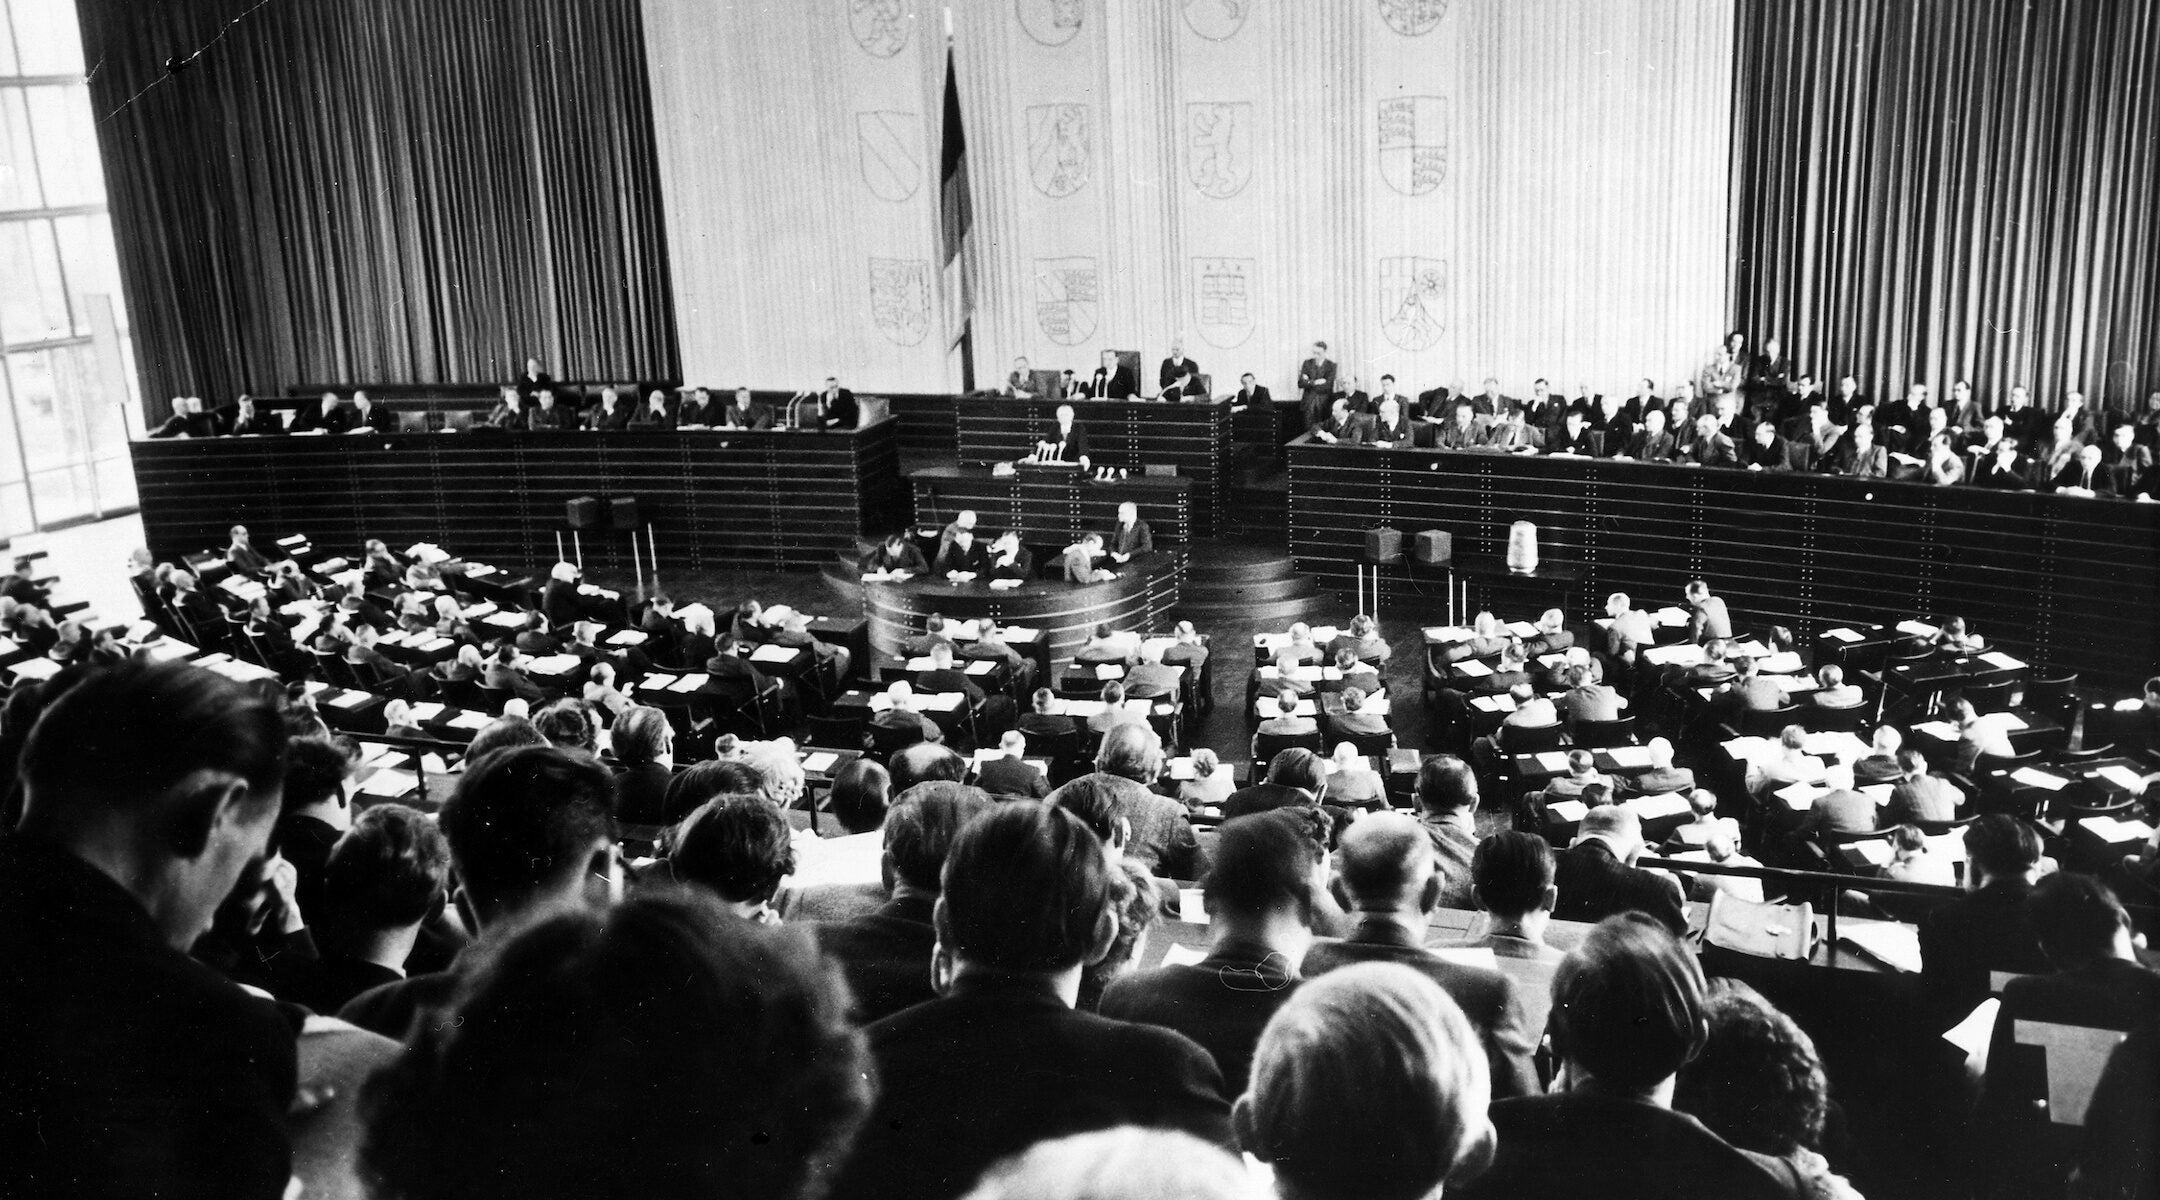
(1051, 506)
(1141, 597)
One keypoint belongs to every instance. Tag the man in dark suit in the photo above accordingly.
(548, 416)
(1250, 392)
(1261, 902)
(746, 413)
(942, 676)
(1707, 617)
(1040, 721)
(1347, 391)
(1574, 436)
(1986, 930)
(962, 554)
(1150, 679)
(1009, 559)
(1597, 876)
(2098, 984)
(1110, 381)
(130, 1068)
(1767, 450)
(1010, 773)
(1390, 884)
(1131, 536)
(1316, 384)
(1000, 1060)
(610, 414)
(1653, 442)
(1627, 1013)
(1066, 441)
(895, 553)
(835, 408)
(2000, 466)
(1341, 426)
(242, 417)
(886, 953)
(902, 717)
(533, 382)
(1179, 376)
(2122, 461)
(370, 416)
(654, 416)
(2084, 475)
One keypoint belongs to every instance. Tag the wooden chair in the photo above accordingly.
(1991, 697)
(1620, 732)
(838, 733)
(1267, 745)
(1768, 722)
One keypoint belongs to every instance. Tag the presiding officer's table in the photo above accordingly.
(2060, 580)
(1141, 597)
(714, 499)
(1192, 437)
(1052, 505)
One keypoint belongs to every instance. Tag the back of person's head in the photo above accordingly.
(1906, 841)
(860, 791)
(1113, 693)
(738, 845)
(2077, 918)
(779, 767)
(1099, 807)
(1912, 762)
(920, 829)
(697, 783)
(1387, 862)
(1446, 784)
(1595, 794)
(1703, 802)
(2002, 846)
(504, 733)
(1627, 1004)
(1264, 863)
(923, 762)
(1353, 698)
(1757, 1081)
(1026, 889)
(1110, 1164)
(1887, 739)
(1130, 751)
(1831, 675)
(641, 734)
(1793, 737)
(1512, 873)
(1044, 700)
(386, 873)
(316, 769)
(569, 725)
(526, 821)
(1204, 762)
(1375, 1057)
(1614, 822)
(582, 1064)
(1299, 768)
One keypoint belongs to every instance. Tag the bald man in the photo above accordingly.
(1390, 884)
(1131, 536)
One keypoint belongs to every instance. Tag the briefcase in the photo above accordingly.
(1761, 929)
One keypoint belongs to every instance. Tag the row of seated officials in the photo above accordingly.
(522, 1013)
(2015, 447)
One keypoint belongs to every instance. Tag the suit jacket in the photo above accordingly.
(641, 794)
(1170, 372)
(1977, 933)
(1487, 997)
(1151, 681)
(1105, 385)
(1070, 445)
(1717, 450)
(909, 559)
(1258, 395)
(1594, 885)
(838, 410)
(377, 418)
(1709, 619)
(689, 412)
(558, 419)
(1453, 847)
(1162, 840)
(758, 416)
(230, 423)
(1401, 433)
(1136, 539)
(1349, 431)
(2074, 475)
(983, 1073)
(1451, 436)
(975, 558)
(2021, 1152)
(1990, 472)
(925, 729)
(601, 419)
(885, 955)
(1575, 1144)
(1022, 565)
(1316, 380)
(643, 417)
(1645, 448)
(1079, 567)
(1584, 441)
(1221, 1002)
(950, 679)
(130, 1069)
(1009, 776)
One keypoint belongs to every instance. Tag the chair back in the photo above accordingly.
(491, 699)
(1063, 751)
(1371, 745)
(1991, 697)
(1835, 720)
(837, 733)
(1531, 739)
(1938, 828)
(1768, 722)
(886, 739)
(1620, 732)
(2075, 1056)
(1267, 745)
(2051, 692)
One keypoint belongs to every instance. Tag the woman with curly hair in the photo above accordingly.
(1759, 1084)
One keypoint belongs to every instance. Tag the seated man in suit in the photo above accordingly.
(243, 417)
(895, 553)
(1042, 720)
(1179, 376)
(1250, 393)
(188, 420)
(655, 416)
(1463, 430)
(1110, 380)
(1009, 559)
(900, 715)
(371, 417)
(886, 954)
(1114, 713)
(1840, 809)
(1511, 876)
(1390, 428)
(962, 556)
(1347, 391)
(1020, 381)
(2122, 461)
(1512, 432)
(1989, 928)
(1064, 441)
(1767, 450)
(503, 673)
(1189, 651)
(1356, 673)
(1151, 680)
(1285, 724)
(1653, 442)
(833, 407)
(1363, 640)
(694, 409)
(1921, 796)
(1080, 561)
(1597, 876)
(1575, 436)
(1131, 535)
(991, 646)
(1107, 645)
(1707, 615)
(1296, 778)
(2004, 469)
(241, 555)
(1835, 692)
(2084, 476)
(1286, 681)
(1026, 903)
(1390, 885)
(1710, 446)
(508, 413)
(1010, 774)
(610, 415)
(131, 1068)
(1588, 700)
(1342, 426)
(1662, 777)
(548, 416)
(746, 413)
(1627, 1013)
(965, 519)
(1354, 721)
(1261, 902)
(732, 671)
(334, 416)
(943, 676)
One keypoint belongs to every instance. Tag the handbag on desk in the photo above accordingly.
(1761, 929)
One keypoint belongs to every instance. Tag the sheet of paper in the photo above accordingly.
(1472, 668)
(1630, 758)
(1180, 955)
(1005, 585)
(1841, 634)
(470, 720)
(1670, 615)
(1522, 629)
(1551, 760)
(1568, 811)
(389, 784)
(1917, 628)
(1182, 769)
(1971, 1034)
(1889, 942)
(1664, 804)
(817, 762)
(1192, 906)
(773, 654)
(1996, 658)
(2040, 779)
(1469, 956)
(627, 637)
(351, 700)
(2122, 777)
(690, 683)
(2115, 831)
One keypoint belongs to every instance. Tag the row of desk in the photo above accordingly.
(2057, 579)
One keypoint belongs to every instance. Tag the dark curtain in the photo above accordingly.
(419, 191)
(1930, 190)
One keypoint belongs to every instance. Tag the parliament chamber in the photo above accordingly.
(900, 600)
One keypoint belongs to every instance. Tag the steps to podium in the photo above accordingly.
(1232, 580)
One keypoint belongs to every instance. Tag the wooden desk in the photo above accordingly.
(715, 500)
(1065, 614)
(2051, 579)
(1193, 438)
(1051, 506)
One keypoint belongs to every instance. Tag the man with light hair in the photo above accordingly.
(1127, 764)
(1597, 876)
(1629, 630)
(1151, 680)
(901, 715)
(1010, 774)
(1663, 776)
(962, 522)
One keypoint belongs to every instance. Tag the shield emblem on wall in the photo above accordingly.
(1412, 18)
(1059, 148)
(900, 299)
(1218, 148)
(1217, 20)
(1067, 298)
(1051, 22)
(1411, 291)
(889, 150)
(1413, 143)
(1222, 291)
(880, 26)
